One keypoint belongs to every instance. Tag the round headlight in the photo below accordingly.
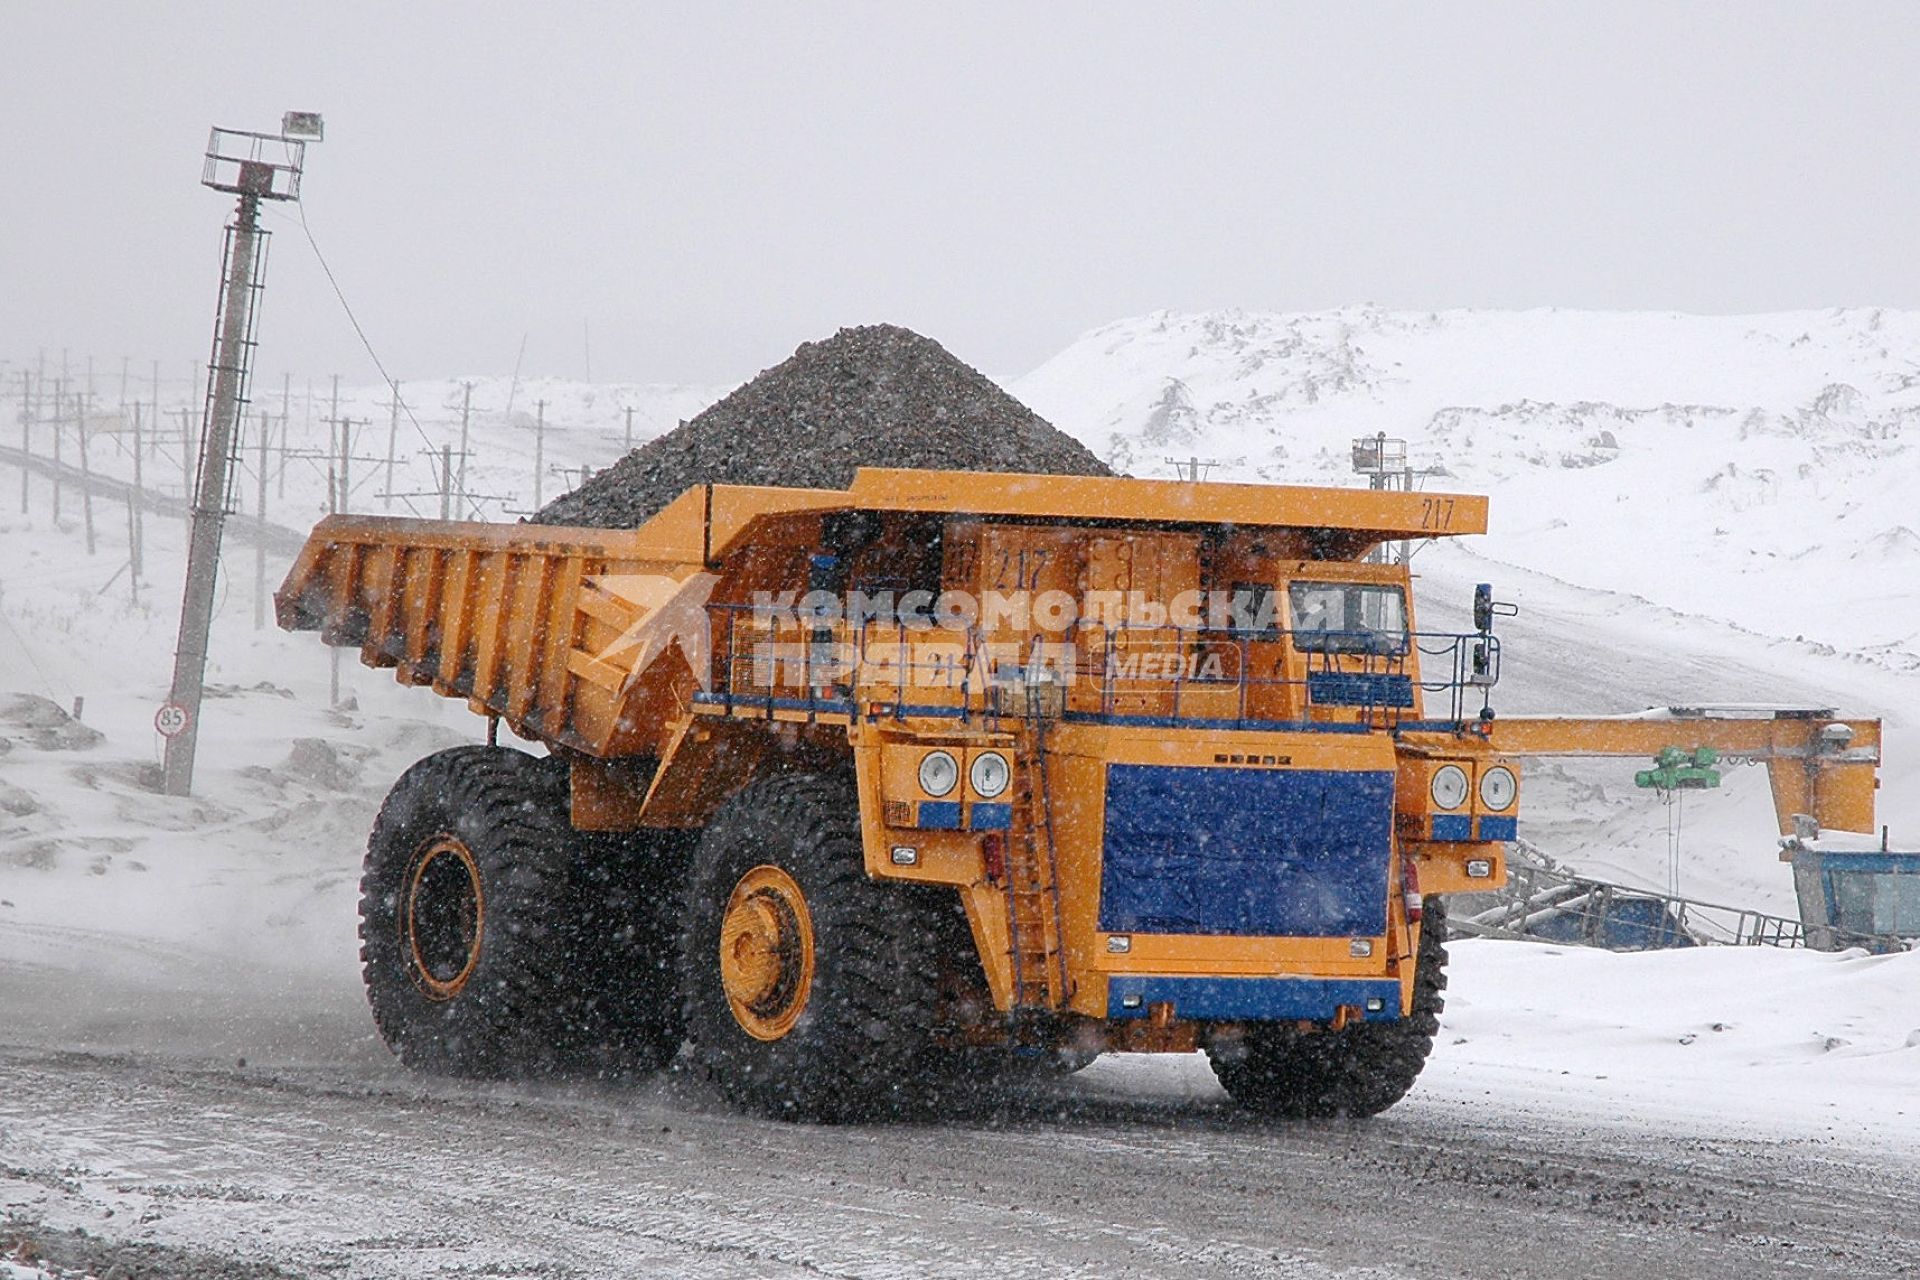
(938, 773)
(1498, 787)
(989, 773)
(1449, 786)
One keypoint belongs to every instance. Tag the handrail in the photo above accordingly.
(1177, 673)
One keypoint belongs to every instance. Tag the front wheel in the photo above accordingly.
(1360, 1070)
(809, 989)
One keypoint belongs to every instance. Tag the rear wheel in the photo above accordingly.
(809, 988)
(495, 939)
(1360, 1070)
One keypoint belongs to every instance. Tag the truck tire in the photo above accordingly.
(809, 991)
(1360, 1070)
(468, 930)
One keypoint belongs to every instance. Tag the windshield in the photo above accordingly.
(1348, 617)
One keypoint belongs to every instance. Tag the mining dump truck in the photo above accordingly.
(850, 793)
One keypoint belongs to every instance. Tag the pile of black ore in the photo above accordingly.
(873, 396)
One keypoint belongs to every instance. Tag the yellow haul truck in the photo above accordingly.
(850, 791)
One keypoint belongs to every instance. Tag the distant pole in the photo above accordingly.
(466, 420)
(153, 419)
(260, 542)
(133, 549)
(339, 427)
(139, 496)
(446, 483)
(393, 432)
(186, 461)
(539, 447)
(86, 472)
(629, 441)
(26, 433)
(59, 398)
(126, 363)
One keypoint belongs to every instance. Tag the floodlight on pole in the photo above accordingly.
(254, 167)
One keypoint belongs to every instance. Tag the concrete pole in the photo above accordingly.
(86, 472)
(446, 483)
(334, 424)
(26, 436)
(629, 445)
(393, 433)
(466, 421)
(539, 448)
(59, 398)
(139, 497)
(244, 247)
(260, 542)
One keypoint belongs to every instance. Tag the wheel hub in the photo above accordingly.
(444, 916)
(766, 952)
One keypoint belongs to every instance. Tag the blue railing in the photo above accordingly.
(1118, 673)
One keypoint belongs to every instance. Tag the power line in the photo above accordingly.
(360, 332)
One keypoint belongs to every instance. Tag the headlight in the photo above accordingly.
(989, 774)
(1498, 787)
(938, 773)
(1449, 786)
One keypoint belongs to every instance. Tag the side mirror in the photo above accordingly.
(1483, 607)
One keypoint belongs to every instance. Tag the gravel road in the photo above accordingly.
(365, 1172)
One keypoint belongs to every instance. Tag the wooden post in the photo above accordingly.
(26, 437)
(133, 550)
(139, 497)
(59, 396)
(86, 473)
(260, 541)
(539, 448)
(186, 460)
(393, 431)
(466, 418)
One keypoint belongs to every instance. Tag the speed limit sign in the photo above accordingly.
(171, 719)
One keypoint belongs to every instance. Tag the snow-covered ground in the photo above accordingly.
(1741, 538)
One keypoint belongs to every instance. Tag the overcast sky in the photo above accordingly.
(701, 187)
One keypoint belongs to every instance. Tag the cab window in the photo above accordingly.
(1348, 617)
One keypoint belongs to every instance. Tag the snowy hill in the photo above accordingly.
(1752, 469)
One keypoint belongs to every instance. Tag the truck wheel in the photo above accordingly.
(809, 993)
(1360, 1070)
(465, 916)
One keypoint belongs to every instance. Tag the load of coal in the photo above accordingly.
(871, 396)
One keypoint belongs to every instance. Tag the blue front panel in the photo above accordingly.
(1252, 999)
(1267, 852)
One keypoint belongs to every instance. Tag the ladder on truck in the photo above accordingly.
(1034, 935)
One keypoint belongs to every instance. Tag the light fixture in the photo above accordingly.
(1449, 786)
(989, 773)
(938, 773)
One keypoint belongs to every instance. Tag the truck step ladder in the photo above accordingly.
(1033, 890)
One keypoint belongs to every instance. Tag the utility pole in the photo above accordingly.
(86, 473)
(254, 167)
(260, 542)
(393, 430)
(59, 397)
(446, 483)
(629, 442)
(539, 448)
(466, 420)
(26, 427)
(139, 496)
